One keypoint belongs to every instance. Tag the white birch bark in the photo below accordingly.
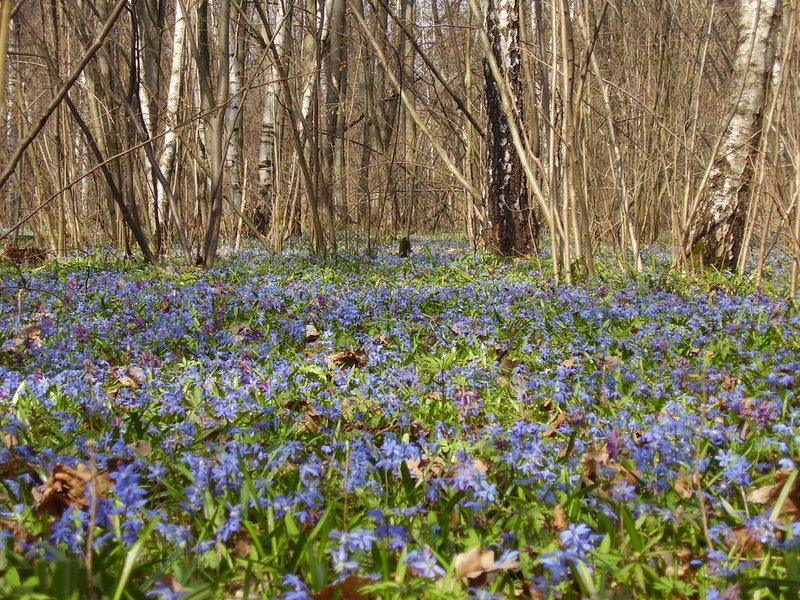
(148, 52)
(715, 233)
(269, 211)
(233, 157)
(167, 160)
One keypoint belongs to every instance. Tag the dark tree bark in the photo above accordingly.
(510, 230)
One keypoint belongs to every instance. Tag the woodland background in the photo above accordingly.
(156, 125)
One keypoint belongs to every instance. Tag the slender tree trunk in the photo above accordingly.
(234, 153)
(270, 207)
(167, 160)
(335, 83)
(214, 97)
(149, 21)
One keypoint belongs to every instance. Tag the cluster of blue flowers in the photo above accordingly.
(490, 399)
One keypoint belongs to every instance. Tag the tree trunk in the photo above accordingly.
(270, 209)
(214, 98)
(509, 231)
(233, 159)
(167, 159)
(715, 233)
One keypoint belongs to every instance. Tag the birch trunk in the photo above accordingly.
(167, 160)
(271, 208)
(508, 232)
(149, 22)
(235, 108)
(715, 232)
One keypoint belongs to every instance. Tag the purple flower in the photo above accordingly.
(467, 403)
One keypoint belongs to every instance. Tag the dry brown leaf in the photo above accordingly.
(308, 424)
(475, 564)
(10, 466)
(127, 382)
(684, 484)
(743, 541)
(21, 256)
(66, 487)
(593, 460)
(558, 520)
(481, 466)
(242, 547)
(171, 583)
(141, 448)
(425, 468)
(728, 382)
(349, 358)
(312, 333)
(608, 361)
(768, 495)
(19, 534)
(560, 420)
(568, 363)
(137, 374)
(348, 588)
(27, 337)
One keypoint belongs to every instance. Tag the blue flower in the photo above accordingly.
(578, 540)
(734, 467)
(231, 525)
(423, 564)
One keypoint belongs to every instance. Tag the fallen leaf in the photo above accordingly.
(27, 337)
(559, 421)
(349, 358)
(728, 382)
(172, 584)
(475, 564)
(768, 495)
(309, 423)
(568, 363)
(743, 540)
(141, 448)
(137, 374)
(348, 588)
(558, 520)
(425, 468)
(10, 466)
(592, 462)
(684, 484)
(608, 362)
(242, 548)
(67, 487)
(21, 536)
(480, 466)
(312, 333)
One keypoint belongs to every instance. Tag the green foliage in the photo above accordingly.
(629, 437)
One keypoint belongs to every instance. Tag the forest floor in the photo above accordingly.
(444, 426)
